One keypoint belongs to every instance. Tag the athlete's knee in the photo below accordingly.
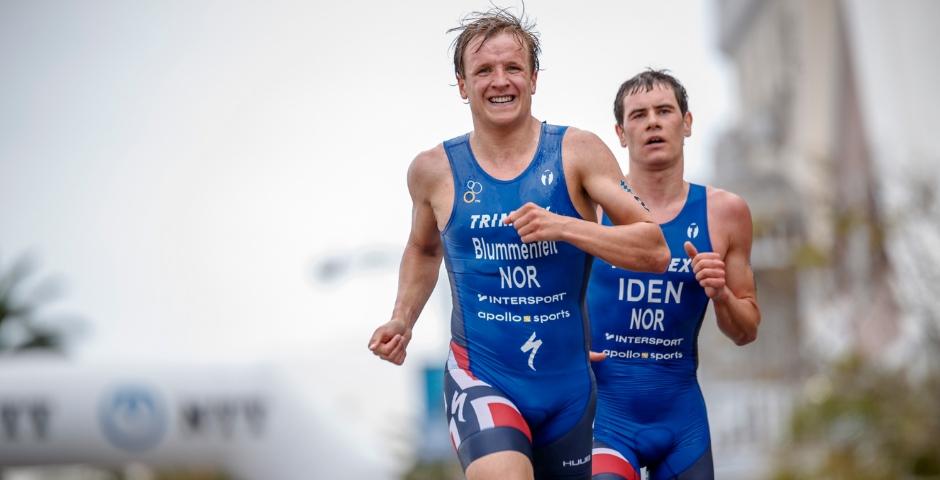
(508, 465)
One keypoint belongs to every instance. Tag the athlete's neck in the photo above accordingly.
(662, 189)
(505, 152)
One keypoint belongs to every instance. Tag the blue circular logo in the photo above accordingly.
(133, 418)
(692, 231)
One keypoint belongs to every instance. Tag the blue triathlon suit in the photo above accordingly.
(650, 409)
(517, 376)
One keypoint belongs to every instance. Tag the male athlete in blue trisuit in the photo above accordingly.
(650, 410)
(510, 207)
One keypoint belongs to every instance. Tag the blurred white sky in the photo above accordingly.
(182, 165)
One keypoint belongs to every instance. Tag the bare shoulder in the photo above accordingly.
(727, 206)
(583, 143)
(430, 161)
(427, 168)
(729, 219)
(588, 154)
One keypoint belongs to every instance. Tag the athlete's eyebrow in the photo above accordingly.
(636, 110)
(655, 107)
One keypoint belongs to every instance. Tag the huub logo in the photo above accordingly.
(576, 462)
(473, 189)
(692, 231)
(548, 177)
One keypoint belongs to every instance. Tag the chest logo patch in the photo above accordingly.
(548, 177)
(474, 188)
(692, 231)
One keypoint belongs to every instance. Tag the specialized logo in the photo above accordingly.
(456, 405)
(692, 231)
(474, 188)
(548, 177)
(133, 418)
(533, 345)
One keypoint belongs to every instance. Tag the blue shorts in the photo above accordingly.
(650, 420)
(612, 464)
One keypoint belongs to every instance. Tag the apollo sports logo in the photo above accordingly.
(510, 317)
(633, 355)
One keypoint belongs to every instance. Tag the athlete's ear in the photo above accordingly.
(621, 134)
(535, 79)
(461, 86)
(687, 124)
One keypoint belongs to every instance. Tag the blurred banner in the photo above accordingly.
(244, 420)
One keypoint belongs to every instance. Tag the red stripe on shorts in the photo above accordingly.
(506, 416)
(462, 357)
(606, 463)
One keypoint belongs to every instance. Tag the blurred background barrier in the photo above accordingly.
(243, 422)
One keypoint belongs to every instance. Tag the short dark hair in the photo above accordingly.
(645, 81)
(491, 23)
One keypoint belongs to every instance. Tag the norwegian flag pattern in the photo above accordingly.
(473, 406)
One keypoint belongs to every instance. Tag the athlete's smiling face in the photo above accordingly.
(498, 80)
(654, 127)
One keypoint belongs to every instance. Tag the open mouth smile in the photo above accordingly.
(502, 99)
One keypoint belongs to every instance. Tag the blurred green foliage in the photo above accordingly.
(861, 421)
(19, 327)
(192, 475)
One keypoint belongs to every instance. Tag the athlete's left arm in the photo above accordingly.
(635, 242)
(730, 282)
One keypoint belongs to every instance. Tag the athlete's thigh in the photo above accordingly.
(690, 457)
(569, 456)
(505, 465)
(609, 463)
(691, 463)
(481, 419)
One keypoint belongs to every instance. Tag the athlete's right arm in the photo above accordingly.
(420, 264)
